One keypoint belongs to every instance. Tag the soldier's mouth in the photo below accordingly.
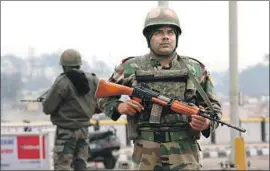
(165, 44)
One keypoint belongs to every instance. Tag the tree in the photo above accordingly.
(11, 77)
(11, 86)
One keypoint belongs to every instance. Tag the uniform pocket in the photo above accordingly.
(62, 137)
(180, 155)
(65, 134)
(196, 149)
(83, 133)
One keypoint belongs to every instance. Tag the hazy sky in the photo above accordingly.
(113, 30)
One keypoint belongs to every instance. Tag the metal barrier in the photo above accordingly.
(257, 130)
(26, 150)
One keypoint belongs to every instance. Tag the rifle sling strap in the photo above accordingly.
(197, 85)
(82, 103)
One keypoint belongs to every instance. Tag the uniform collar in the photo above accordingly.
(156, 63)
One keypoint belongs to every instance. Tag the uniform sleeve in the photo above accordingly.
(211, 93)
(109, 105)
(53, 99)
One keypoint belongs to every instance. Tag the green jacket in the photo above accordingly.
(62, 106)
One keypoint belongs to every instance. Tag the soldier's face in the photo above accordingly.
(163, 41)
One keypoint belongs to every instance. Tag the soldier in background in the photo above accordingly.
(70, 102)
(172, 143)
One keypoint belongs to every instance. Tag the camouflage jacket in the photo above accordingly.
(123, 76)
(65, 111)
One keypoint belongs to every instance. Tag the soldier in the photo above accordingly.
(172, 143)
(71, 103)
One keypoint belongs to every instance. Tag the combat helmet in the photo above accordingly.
(70, 57)
(161, 16)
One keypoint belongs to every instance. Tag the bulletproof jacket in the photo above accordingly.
(172, 83)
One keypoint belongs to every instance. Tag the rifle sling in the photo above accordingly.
(82, 103)
(197, 85)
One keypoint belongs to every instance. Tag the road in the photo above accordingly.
(257, 163)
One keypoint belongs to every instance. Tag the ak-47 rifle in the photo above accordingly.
(39, 99)
(106, 89)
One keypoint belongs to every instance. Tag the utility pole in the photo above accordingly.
(163, 3)
(233, 72)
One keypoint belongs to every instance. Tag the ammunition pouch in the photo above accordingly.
(194, 133)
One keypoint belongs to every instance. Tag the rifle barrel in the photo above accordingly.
(29, 101)
(223, 123)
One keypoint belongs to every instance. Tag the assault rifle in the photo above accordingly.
(106, 89)
(39, 99)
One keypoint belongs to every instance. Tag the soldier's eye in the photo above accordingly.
(158, 32)
(171, 32)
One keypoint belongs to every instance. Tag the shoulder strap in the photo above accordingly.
(82, 103)
(197, 85)
(125, 59)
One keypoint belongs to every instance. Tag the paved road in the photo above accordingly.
(257, 163)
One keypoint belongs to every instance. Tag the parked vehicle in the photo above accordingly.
(102, 145)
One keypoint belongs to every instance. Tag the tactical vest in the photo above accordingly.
(174, 87)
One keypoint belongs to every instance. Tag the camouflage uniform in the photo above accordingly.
(172, 144)
(71, 139)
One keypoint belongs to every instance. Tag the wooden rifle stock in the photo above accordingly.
(184, 108)
(106, 89)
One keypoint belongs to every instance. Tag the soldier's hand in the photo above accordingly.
(199, 123)
(129, 107)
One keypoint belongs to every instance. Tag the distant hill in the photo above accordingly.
(253, 81)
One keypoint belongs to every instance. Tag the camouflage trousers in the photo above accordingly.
(177, 155)
(71, 148)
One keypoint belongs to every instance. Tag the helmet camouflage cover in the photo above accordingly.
(70, 57)
(161, 16)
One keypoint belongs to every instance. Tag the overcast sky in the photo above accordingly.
(113, 30)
